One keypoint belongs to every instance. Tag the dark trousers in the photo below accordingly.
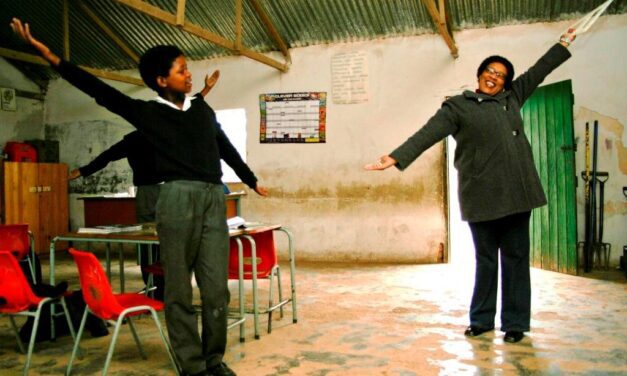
(194, 237)
(510, 236)
(145, 211)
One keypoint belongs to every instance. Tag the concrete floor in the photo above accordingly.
(384, 320)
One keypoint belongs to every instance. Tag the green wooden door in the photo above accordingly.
(548, 118)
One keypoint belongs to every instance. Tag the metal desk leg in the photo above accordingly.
(151, 279)
(108, 262)
(292, 271)
(53, 332)
(240, 273)
(253, 256)
(121, 265)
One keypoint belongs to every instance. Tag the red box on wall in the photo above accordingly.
(20, 152)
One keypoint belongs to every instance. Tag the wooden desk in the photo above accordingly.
(102, 210)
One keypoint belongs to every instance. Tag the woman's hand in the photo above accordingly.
(383, 163)
(23, 31)
(568, 37)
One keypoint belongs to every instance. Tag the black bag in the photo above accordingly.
(76, 307)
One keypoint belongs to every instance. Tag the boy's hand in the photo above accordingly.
(261, 191)
(23, 31)
(210, 81)
(383, 163)
(74, 174)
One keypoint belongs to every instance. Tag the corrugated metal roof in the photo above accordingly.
(298, 22)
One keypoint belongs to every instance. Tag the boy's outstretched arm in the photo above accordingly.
(23, 31)
(105, 95)
(262, 191)
(210, 82)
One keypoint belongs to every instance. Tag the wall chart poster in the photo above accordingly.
(293, 117)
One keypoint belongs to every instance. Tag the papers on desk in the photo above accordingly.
(109, 229)
(118, 195)
(239, 223)
(235, 222)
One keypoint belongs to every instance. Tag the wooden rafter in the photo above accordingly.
(105, 29)
(440, 21)
(66, 30)
(238, 25)
(271, 29)
(180, 12)
(34, 59)
(171, 19)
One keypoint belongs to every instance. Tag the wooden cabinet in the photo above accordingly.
(36, 194)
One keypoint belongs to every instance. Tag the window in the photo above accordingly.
(233, 123)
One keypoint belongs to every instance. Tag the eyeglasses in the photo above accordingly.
(496, 73)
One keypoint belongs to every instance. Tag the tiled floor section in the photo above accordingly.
(385, 320)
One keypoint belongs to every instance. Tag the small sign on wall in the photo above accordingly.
(7, 96)
(293, 117)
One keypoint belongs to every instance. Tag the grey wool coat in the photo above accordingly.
(497, 176)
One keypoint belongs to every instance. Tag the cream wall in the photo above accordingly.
(26, 122)
(338, 211)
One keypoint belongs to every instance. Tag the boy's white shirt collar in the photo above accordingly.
(187, 103)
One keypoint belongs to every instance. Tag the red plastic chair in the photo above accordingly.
(264, 265)
(20, 242)
(20, 300)
(102, 302)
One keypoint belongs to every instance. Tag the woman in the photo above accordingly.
(498, 182)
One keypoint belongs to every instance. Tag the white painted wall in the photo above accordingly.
(338, 211)
(27, 122)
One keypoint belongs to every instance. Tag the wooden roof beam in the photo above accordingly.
(180, 13)
(34, 59)
(170, 19)
(66, 30)
(272, 30)
(238, 25)
(105, 29)
(440, 21)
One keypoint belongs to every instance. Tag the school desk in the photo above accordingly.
(138, 238)
(106, 210)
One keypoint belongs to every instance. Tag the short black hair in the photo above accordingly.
(157, 61)
(499, 59)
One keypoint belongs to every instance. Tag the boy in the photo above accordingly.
(191, 214)
(141, 156)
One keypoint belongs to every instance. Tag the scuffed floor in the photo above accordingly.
(384, 320)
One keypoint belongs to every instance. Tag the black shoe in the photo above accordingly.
(513, 336)
(473, 331)
(220, 369)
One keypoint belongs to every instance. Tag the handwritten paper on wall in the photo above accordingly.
(349, 73)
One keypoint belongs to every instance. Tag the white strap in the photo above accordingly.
(583, 24)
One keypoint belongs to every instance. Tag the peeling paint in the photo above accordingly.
(81, 142)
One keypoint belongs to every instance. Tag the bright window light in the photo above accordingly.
(233, 123)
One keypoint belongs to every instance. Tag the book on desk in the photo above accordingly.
(109, 229)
